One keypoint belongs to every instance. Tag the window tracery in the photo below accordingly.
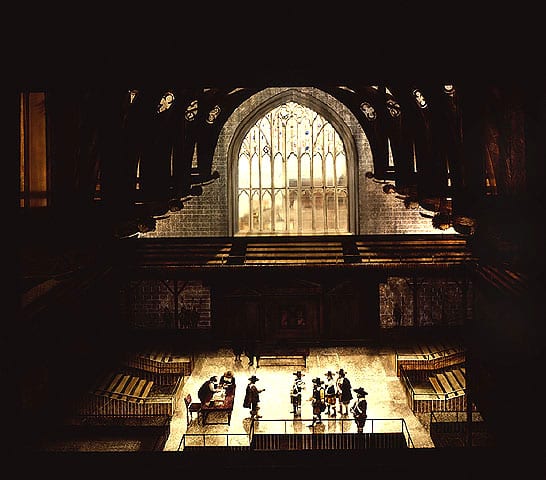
(292, 175)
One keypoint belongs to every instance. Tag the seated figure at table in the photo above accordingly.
(208, 389)
(227, 380)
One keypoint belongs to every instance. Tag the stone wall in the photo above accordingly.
(209, 214)
(151, 304)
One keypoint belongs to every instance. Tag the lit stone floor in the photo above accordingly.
(372, 368)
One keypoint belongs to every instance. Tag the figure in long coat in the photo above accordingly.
(252, 397)
(344, 393)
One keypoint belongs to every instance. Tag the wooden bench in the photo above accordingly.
(429, 351)
(454, 381)
(448, 389)
(161, 362)
(290, 253)
(447, 385)
(459, 373)
(437, 387)
(125, 387)
(296, 357)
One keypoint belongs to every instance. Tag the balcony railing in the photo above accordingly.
(340, 431)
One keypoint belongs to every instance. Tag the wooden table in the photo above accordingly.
(224, 405)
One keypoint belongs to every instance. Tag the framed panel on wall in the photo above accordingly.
(291, 318)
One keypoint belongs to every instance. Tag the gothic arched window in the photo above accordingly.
(292, 175)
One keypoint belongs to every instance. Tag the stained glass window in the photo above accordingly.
(292, 175)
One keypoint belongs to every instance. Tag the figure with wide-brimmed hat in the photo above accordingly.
(343, 391)
(317, 401)
(359, 409)
(295, 392)
(252, 397)
(330, 393)
(227, 380)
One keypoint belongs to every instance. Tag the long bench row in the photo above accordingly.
(125, 387)
(146, 383)
(139, 396)
(430, 356)
(161, 362)
(313, 250)
(434, 376)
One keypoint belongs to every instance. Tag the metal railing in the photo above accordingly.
(296, 427)
(214, 440)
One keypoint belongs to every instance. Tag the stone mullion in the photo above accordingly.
(298, 186)
(260, 219)
(287, 190)
(324, 186)
(272, 176)
(312, 175)
(336, 209)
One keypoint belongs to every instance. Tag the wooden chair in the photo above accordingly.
(191, 408)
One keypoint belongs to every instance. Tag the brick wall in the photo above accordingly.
(440, 302)
(208, 215)
(150, 304)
